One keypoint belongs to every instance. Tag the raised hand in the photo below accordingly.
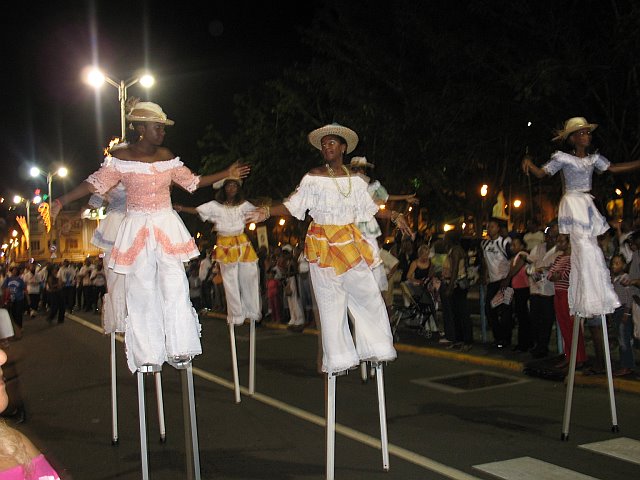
(239, 170)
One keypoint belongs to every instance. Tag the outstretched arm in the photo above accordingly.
(529, 166)
(408, 198)
(397, 218)
(624, 167)
(236, 170)
(260, 214)
(82, 190)
(182, 208)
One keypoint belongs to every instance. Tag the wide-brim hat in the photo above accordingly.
(573, 125)
(361, 162)
(148, 112)
(220, 183)
(351, 137)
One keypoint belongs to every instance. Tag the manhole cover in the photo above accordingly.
(474, 380)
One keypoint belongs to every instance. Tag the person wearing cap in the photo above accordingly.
(590, 291)
(370, 229)
(339, 257)
(234, 253)
(152, 243)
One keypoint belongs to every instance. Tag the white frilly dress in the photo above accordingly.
(237, 259)
(114, 308)
(150, 249)
(590, 290)
(339, 261)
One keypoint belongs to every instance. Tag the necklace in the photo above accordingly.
(333, 177)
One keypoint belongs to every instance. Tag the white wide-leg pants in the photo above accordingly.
(241, 282)
(357, 291)
(161, 323)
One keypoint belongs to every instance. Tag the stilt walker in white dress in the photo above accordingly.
(339, 259)
(238, 265)
(150, 249)
(591, 293)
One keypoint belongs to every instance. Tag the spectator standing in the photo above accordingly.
(521, 293)
(55, 294)
(195, 286)
(99, 283)
(84, 281)
(204, 274)
(296, 313)
(455, 286)
(559, 274)
(542, 291)
(14, 291)
(495, 252)
(304, 283)
(32, 282)
(68, 276)
(622, 317)
(534, 234)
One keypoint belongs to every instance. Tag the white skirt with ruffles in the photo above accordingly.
(142, 232)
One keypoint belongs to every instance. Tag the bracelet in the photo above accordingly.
(267, 211)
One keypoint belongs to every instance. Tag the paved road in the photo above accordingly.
(450, 416)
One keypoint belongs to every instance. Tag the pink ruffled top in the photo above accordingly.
(40, 470)
(147, 184)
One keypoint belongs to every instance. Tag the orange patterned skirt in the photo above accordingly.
(341, 247)
(235, 248)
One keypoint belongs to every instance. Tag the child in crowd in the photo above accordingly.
(622, 315)
(559, 274)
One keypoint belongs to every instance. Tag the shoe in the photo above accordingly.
(455, 346)
(466, 347)
(623, 372)
(444, 341)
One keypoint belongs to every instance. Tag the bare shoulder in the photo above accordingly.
(164, 153)
(317, 171)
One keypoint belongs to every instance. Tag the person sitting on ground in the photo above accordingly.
(19, 457)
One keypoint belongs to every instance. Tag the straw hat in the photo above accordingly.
(573, 125)
(220, 183)
(349, 135)
(361, 162)
(148, 112)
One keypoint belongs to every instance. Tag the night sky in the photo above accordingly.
(201, 53)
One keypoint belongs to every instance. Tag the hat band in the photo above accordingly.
(147, 114)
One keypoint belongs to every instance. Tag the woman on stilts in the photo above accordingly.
(591, 293)
(340, 260)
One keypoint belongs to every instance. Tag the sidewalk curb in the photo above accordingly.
(600, 381)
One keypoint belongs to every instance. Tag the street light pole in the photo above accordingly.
(96, 78)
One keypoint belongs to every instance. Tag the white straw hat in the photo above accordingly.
(573, 125)
(361, 162)
(148, 112)
(349, 135)
(220, 183)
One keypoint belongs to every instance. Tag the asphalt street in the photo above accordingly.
(450, 415)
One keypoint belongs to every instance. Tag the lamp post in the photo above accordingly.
(96, 78)
(483, 193)
(61, 172)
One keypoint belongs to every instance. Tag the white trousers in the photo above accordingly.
(114, 307)
(161, 323)
(241, 282)
(355, 290)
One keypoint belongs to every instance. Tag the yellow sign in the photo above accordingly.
(43, 209)
(25, 228)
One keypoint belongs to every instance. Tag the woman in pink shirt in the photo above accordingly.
(520, 285)
(19, 458)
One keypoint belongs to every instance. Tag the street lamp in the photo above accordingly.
(96, 78)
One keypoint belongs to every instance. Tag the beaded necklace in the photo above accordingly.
(333, 177)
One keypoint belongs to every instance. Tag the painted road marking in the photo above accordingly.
(622, 448)
(399, 452)
(527, 468)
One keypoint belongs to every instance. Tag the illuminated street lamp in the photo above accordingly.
(96, 78)
(517, 203)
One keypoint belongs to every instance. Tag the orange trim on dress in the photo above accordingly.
(129, 256)
(340, 247)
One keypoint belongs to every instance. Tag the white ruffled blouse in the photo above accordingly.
(324, 198)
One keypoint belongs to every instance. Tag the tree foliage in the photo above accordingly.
(442, 94)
